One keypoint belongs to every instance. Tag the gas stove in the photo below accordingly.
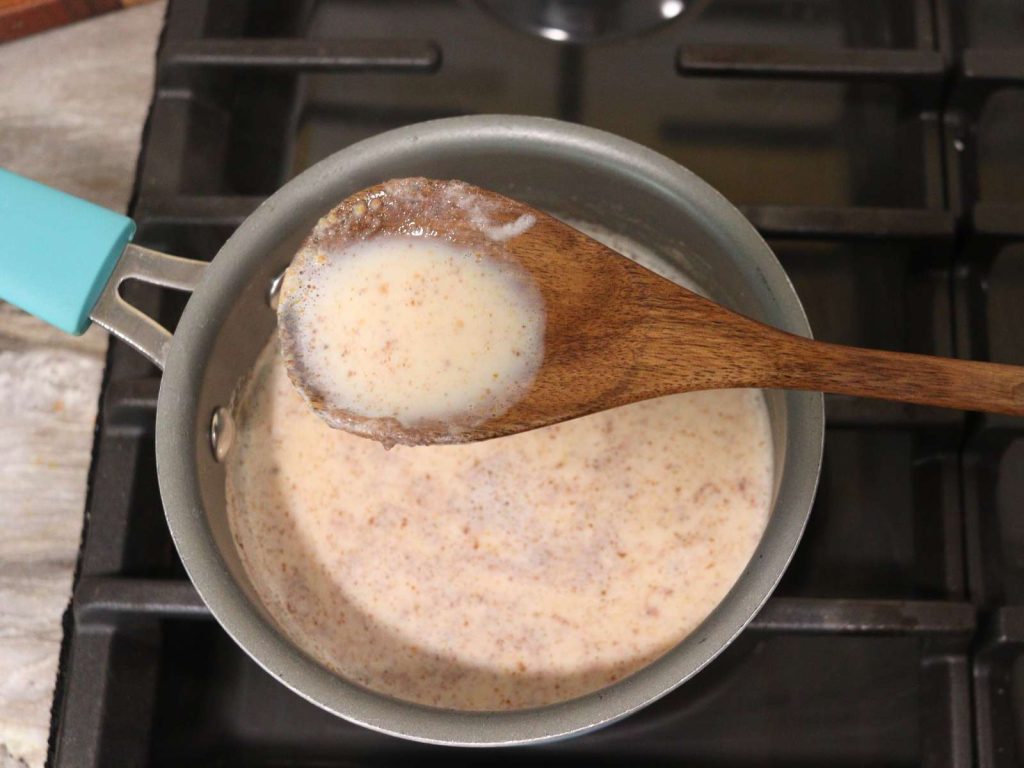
(875, 143)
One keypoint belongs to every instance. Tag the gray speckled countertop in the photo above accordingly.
(71, 115)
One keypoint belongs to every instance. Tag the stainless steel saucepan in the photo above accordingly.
(65, 260)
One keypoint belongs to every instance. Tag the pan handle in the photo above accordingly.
(64, 260)
(130, 324)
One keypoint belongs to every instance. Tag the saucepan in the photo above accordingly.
(65, 260)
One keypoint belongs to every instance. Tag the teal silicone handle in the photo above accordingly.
(56, 251)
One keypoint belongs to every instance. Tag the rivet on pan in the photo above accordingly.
(222, 433)
(275, 291)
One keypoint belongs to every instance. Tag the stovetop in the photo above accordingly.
(875, 143)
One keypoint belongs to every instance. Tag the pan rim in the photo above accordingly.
(178, 428)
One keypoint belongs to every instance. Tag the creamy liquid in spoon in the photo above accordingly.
(498, 575)
(412, 330)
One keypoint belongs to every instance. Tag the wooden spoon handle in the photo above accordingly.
(967, 385)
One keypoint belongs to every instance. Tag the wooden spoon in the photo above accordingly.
(616, 332)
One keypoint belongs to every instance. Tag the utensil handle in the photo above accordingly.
(923, 379)
(57, 251)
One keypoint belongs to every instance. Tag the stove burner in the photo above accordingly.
(875, 144)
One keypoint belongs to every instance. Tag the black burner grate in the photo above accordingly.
(876, 143)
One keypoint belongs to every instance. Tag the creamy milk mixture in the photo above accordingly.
(415, 329)
(511, 573)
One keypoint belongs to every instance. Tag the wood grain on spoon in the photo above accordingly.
(616, 332)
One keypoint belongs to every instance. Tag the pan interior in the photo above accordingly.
(575, 173)
(253, 320)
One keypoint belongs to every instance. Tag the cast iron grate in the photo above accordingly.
(869, 140)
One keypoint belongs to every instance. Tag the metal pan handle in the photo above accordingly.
(131, 324)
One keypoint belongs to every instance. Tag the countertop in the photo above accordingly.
(73, 106)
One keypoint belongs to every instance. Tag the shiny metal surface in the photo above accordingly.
(581, 21)
(572, 171)
(222, 432)
(130, 324)
(274, 292)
